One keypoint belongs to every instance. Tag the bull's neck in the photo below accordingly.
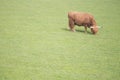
(94, 23)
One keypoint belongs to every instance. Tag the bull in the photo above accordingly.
(82, 19)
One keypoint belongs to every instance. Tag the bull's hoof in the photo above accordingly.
(73, 30)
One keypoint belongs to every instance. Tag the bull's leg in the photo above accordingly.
(85, 29)
(71, 25)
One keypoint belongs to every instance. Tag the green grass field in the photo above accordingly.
(35, 43)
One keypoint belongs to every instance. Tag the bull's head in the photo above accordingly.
(94, 29)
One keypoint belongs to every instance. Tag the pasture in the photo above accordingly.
(35, 43)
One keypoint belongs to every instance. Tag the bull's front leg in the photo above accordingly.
(71, 25)
(85, 29)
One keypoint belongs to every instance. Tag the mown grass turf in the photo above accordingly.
(35, 43)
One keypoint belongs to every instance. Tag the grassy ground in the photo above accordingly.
(36, 45)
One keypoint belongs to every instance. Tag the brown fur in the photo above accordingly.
(82, 19)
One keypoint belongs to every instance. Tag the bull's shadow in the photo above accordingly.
(83, 31)
(65, 29)
(78, 30)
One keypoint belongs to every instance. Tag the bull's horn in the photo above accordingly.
(94, 27)
(99, 26)
(91, 27)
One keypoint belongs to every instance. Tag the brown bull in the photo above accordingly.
(82, 19)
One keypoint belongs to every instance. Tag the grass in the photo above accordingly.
(35, 43)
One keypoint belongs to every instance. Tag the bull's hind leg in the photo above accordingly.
(71, 25)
